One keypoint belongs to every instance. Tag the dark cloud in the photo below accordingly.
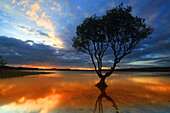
(16, 51)
(154, 50)
(32, 31)
(42, 33)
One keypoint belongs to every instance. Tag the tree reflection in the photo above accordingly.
(102, 87)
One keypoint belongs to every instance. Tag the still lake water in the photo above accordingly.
(75, 92)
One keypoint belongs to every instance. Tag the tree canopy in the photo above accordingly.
(118, 30)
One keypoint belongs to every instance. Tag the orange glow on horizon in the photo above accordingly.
(48, 66)
(93, 68)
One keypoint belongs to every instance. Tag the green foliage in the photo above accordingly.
(118, 29)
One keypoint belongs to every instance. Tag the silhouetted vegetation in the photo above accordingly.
(118, 31)
(9, 73)
(2, 62)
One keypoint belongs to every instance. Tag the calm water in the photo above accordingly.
(75, 92)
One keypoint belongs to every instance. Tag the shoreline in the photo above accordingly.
(11, 73)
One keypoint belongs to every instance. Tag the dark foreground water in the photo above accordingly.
(75, 92)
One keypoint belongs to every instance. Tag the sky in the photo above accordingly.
(38, 33)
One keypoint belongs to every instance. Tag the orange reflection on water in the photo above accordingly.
(159, 88)
(75, 92)
(29, 105)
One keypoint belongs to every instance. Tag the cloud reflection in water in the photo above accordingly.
(31, 105)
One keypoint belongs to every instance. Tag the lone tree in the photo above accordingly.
(117, 30)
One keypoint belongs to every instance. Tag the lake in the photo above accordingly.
(75, 92)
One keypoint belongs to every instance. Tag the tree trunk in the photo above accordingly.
(101, 82)
(99, 74)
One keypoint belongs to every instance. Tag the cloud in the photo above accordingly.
(152, 17)
(52, 8)
(147, 54)
(4, 14)
(57, 4)
(28, 52)
(101, 10)
(67, 4)
(71, 14)
(86, 14)
(41, 18)
(24, 3)
(111, 5)
(32, 31)
(59, 14)
(78, 7)
(38, 53)
(7, 6)
(66, 30)
(13, 1)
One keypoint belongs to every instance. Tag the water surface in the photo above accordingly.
(75, 92)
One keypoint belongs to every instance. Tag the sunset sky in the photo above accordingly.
(38, 33)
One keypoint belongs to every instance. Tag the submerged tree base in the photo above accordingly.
(102, 83)
(9, 73)
(102, 87)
